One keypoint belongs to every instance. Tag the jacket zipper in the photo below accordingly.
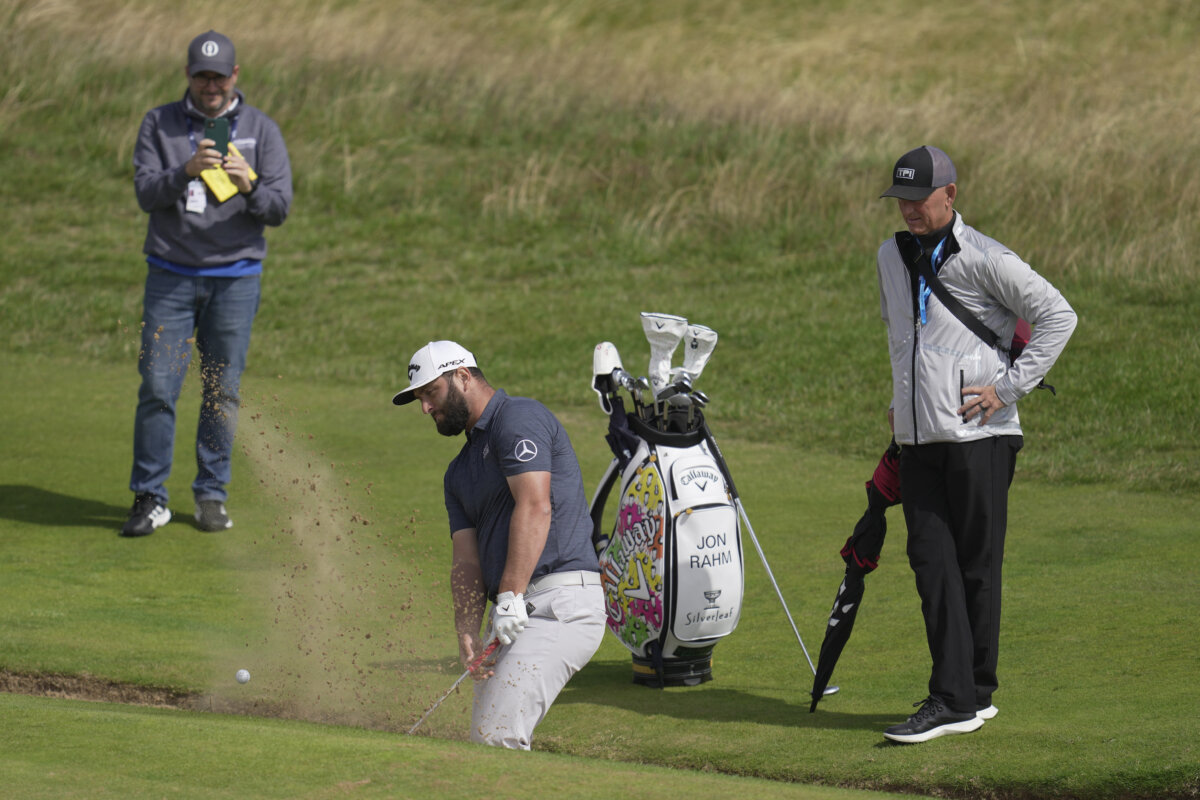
(912, 370)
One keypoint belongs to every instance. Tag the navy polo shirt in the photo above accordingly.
(516, 435)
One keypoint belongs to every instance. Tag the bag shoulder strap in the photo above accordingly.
(915, 259)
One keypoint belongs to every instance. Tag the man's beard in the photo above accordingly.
(455, 413)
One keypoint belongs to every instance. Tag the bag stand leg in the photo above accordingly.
(737, 500)
(656, 654)
(771, 576)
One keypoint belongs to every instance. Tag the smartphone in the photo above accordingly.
(218, 130)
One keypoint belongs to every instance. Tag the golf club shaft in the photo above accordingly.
(487, 651)
(433, 707)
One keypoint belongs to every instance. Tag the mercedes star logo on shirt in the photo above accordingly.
(525, 450)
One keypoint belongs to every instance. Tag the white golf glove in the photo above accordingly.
(509, 617)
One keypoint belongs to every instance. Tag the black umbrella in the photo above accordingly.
(861, 554)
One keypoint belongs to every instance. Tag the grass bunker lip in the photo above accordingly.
(85, 687)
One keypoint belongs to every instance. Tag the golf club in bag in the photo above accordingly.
(672, 564)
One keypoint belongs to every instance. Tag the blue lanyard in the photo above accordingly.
(935, 261)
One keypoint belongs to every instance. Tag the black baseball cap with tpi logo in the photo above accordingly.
(919, 172)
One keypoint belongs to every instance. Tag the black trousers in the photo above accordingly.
(956, 507)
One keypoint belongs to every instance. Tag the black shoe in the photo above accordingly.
(146, 515)
(932, 721)
(211, 516)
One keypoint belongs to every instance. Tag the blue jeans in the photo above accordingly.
(220, 313)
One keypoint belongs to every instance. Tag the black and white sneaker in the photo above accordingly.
(987, 713)
(931, 721)
(211, 516)
(146, 515)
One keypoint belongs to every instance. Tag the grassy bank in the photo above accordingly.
(528, 176)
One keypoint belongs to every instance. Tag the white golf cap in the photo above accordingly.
(430, 363)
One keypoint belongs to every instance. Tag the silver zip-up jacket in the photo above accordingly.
(932, 362)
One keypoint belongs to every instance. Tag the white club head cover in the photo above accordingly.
(664, 332)
(699, 343)
(605, 361)
(509, 617)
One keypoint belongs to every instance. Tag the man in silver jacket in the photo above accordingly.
(954, 414)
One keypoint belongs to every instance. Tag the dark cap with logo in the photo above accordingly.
(919, 172)
(430, 363)
(211, 52)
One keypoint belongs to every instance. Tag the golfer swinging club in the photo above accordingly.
(522, 538)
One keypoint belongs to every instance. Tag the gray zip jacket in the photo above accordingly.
(225, 232)
(932, 362)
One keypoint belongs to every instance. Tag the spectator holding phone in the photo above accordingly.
(204, 248)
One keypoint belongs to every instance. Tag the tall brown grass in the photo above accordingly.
(1073, 124)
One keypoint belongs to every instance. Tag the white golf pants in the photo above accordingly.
(565, 628)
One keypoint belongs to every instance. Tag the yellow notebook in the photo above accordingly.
(218, 179)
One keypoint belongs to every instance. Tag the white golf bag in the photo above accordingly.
(671, 564)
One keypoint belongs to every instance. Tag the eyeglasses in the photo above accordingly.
(204, 78)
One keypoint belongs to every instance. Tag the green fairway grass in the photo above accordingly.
(55, 749)
(341, 622)
(525, 176)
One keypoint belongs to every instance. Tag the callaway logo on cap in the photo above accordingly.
(430, 363)
(919, 172)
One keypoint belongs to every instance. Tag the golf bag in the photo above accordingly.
(671, 567)
(671, 563)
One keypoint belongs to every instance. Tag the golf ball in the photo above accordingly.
(243, 676)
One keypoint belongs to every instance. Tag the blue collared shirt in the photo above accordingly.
(515, 435)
